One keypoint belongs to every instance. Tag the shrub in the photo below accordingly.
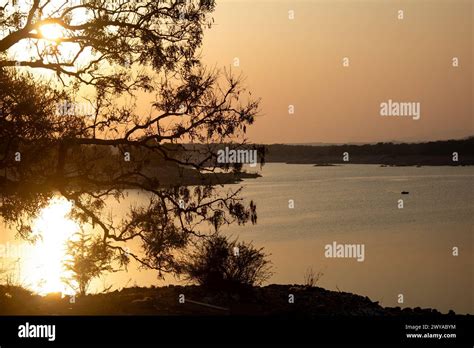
(221, 264)
(311, 278)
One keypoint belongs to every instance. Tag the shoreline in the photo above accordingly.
(192, 300)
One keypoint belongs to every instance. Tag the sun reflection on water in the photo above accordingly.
(43, 266)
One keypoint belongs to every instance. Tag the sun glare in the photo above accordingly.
(51, 31)
(44, 265)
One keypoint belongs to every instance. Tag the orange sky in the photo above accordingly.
(299, 62)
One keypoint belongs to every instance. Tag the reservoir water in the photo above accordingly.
(408, 251)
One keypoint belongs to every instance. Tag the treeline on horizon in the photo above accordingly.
(152, 163)
(384, 153)
(427, 153)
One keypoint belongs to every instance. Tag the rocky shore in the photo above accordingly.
(271, 300)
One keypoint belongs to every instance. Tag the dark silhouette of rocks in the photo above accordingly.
(271, 300)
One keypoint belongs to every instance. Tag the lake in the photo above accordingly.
(407, 251)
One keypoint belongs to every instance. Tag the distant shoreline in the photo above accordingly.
(437, 153)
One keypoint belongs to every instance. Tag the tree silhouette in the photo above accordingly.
(118, 51)
(222, 264)
(89, 258)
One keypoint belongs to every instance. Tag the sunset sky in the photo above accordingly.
(90, 184)
(299, 62)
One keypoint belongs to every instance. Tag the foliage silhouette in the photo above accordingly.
(221, 264)
(120, 52)
(89, 258)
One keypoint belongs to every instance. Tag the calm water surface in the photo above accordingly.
(407, 251)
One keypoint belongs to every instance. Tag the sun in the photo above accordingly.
(55, 40)
(44, 268)
(53, 32)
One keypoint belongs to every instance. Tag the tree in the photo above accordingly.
(99, 33)
(119, 50)
(89, 258)
(221, 264)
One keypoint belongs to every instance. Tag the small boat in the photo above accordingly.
(405, 192)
